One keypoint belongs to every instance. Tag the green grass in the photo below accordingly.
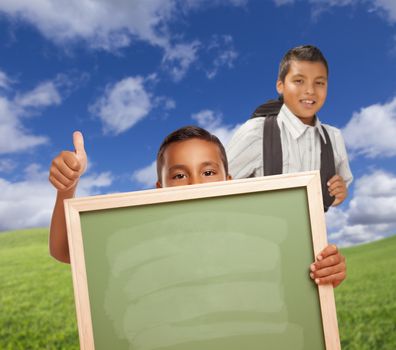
(366, 301)
(37, 305)
(36, 295)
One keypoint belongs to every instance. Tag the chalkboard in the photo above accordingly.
(216, 266)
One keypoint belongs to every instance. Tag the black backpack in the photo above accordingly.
(272, 148)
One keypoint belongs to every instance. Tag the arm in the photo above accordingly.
(338, 189)
(65, 172)
(338, 184)
(329, 267)
(244, 151)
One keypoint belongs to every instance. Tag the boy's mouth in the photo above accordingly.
(308, 102)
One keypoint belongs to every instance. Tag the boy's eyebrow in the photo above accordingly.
(177, 166)
(210, 163)
(303, 76)
(184, 167)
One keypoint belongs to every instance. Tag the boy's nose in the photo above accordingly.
(310, 89)
(194, 180)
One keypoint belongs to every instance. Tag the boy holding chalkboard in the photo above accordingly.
(286, 136)
(189, 155)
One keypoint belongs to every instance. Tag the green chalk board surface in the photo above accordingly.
(229, 272)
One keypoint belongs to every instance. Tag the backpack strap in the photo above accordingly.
(327, 168)
(272, 148)
(268, 109)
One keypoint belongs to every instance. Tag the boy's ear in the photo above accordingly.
(279, 87)
(158, 184)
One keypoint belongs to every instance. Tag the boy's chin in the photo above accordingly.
(306, 119)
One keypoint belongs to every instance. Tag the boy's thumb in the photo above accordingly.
(78, 142)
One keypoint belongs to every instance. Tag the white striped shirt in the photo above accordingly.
(300, 147)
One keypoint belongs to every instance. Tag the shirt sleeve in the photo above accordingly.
(341, 157)
(245, 150)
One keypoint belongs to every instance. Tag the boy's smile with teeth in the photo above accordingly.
(304, 78)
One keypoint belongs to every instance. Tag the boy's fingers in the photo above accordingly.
(339, 186)
(61, 178)
(330, 249)
(328, 271)
(335, 279)
(336, 184)
(334, 179)
(57, 184)
(338, 192)
(67, 162)
(326, 262)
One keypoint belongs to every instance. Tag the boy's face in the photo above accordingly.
(191, 162)
(304, 89)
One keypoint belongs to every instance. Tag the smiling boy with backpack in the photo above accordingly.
(286, 136)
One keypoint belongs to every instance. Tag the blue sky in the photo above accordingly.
(126, 73)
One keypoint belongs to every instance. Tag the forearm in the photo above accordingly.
(58, 243)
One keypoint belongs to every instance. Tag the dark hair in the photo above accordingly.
(300, 53)
(187, 133)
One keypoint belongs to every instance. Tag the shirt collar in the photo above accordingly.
(295, 126)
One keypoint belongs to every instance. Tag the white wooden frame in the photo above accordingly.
(310, 180)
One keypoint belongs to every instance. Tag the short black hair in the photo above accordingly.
(300, 53)
(187, 133)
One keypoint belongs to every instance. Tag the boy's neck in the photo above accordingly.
(308, 121)
(311, 121)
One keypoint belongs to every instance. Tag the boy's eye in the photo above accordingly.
(321, 83)
(178, 176)
(209, 173)
(298, 81)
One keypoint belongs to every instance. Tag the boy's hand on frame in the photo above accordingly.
(338, 189)
(329, 267)
(67, 167)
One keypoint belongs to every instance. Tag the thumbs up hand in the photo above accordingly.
(67, 167)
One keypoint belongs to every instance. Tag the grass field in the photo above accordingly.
(37, 305)
(366, 302)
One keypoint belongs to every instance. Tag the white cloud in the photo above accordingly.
(177, 59)
(5, 81)
(29, 203)
(7, 165)
(222, 47)
(193, 4)
(283, 2)
(146, 176)
(122, 105)
(164, 102)
(45, 94)
(212, 121)
(384, 8)
(14, 137)
(103, 24)
(371, 213)
(374, 201)
(387, 8)
(371, 131)
(114, 24)
(90, 184)
(336, 219)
